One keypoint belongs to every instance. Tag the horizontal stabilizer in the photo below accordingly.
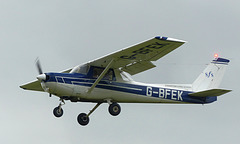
(210, 93)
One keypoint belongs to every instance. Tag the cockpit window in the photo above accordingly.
(83, 69)
(97, 72)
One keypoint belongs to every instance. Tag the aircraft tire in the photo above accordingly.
(58, 112)
(83, 119)
(114, 109)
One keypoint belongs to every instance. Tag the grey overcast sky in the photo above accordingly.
(65, 33)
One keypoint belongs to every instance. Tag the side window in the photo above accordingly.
(109, 75)
(97, 72)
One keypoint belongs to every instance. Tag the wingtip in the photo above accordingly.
(161, 38)
(169, 39)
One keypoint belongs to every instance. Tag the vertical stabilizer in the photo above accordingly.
(212, 76)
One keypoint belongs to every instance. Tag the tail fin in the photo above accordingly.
(212, 76)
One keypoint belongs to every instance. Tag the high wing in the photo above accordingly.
(133, 60)
(137, 58)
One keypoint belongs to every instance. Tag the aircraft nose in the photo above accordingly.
(42, 77)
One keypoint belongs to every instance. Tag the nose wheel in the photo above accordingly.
(58, 111)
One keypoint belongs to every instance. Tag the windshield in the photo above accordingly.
(82, 69)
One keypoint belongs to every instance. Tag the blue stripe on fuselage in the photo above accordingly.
(157, 92)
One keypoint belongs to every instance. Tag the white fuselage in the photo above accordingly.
(122, 92)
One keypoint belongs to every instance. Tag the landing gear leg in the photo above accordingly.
(83, 119)
(58, 111)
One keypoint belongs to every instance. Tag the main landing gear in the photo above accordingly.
(114, 109)
(83, 118)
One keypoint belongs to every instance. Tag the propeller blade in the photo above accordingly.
(38, 65)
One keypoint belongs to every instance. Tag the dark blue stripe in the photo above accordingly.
(221, 60)
(161, 38)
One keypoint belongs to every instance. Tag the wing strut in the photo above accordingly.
(101, 76)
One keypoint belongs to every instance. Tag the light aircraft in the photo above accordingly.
(107, 80)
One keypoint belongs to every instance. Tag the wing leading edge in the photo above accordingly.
(137, 58)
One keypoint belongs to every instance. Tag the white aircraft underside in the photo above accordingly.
(105, 80)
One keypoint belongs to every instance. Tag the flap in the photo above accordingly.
(210, 93)
(138, 67)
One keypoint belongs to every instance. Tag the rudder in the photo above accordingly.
(212, 76)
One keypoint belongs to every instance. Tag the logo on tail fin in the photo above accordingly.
(208, 75)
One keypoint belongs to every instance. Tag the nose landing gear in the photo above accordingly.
(58, 111)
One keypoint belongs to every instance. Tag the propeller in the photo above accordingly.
(41, 76)
(38, 65)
